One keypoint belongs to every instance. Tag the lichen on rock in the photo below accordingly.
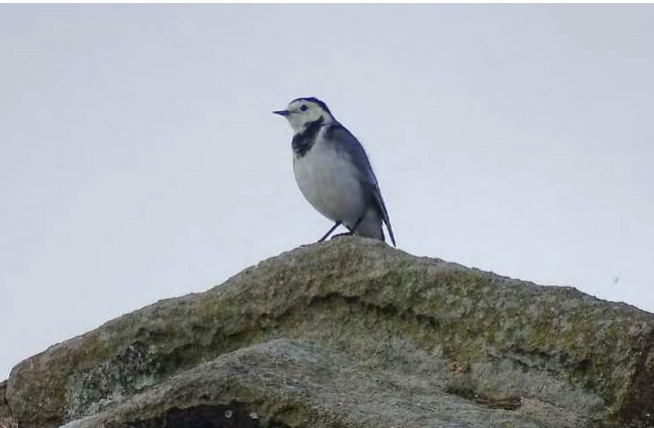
(6, 420)
(411, 331)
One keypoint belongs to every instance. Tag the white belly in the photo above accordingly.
(329, 182)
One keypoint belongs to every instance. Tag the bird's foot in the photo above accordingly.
(342, 234)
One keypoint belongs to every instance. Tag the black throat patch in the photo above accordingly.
(303, 141)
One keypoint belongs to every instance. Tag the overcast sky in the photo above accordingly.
(139, 158)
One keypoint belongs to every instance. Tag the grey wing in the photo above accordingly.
(348, 143)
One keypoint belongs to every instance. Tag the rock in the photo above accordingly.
(352, 333)
(298, 384)
(6, 420)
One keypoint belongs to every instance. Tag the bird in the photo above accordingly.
(333, 171)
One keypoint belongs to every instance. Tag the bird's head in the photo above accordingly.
(301, 112)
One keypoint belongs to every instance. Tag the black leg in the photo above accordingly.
(354, 228)
(329, 232)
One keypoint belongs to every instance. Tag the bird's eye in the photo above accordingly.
(304, 108)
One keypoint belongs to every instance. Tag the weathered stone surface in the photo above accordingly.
(286, 383)
(375, 337)
(6, 421)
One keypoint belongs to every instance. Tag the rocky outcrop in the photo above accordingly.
(352, 333)
(6, 421)
(305, 385)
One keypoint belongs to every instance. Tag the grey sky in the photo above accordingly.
(139, 158)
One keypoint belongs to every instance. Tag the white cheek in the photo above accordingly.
(295, 122)
(298, 120)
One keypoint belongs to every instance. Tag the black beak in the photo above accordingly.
(282, 112)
